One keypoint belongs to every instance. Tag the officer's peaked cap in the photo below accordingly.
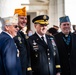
(41, 19)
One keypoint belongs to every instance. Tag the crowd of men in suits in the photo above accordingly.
(40, 54)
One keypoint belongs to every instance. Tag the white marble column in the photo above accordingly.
(42, 12)
(56, 9)
(61, 9)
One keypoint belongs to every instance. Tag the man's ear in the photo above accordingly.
(6, 27)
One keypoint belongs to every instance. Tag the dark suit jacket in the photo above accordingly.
(21, 43)
(43, 57)
(9, 62)
(67, 60)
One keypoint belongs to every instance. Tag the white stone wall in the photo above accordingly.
(7, 7)
(56, 10)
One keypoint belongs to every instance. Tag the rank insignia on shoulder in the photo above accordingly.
(19, 39)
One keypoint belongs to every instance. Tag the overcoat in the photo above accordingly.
(67, 54)
(9, 62)
(43, 56)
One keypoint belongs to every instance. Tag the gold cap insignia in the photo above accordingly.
(44, 17)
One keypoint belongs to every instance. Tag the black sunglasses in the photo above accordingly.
(16, 26)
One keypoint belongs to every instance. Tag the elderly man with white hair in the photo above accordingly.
(9, 56)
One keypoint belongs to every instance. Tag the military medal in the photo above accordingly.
(35, 46)
(54, 45)
(53, 42)
(19, 39)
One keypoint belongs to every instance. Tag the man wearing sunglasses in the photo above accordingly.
(9, 56)
(20, 39)
(42, 49)
(66, 43)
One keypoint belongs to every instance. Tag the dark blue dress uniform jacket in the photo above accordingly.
(43, 57)
(21, 43)
(67, 59)
(9, 62)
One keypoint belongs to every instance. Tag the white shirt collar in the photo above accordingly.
(41, 36)
(8, 34)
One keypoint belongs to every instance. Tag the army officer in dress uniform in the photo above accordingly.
(66, 43)
(43, 53)
(9, 57)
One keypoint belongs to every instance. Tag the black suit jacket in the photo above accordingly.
(67, 60)
(43, 57)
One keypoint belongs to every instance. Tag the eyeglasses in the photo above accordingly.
(16, 26)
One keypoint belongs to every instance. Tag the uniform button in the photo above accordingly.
(48, 58)
(47, 49)
(48, 53)
(49, 63)
(36, 55)
(54, 53)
